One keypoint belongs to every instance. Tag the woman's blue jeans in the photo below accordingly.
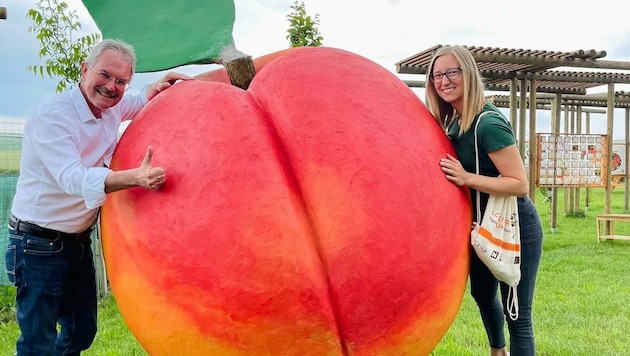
(483, 288)
(55, 284)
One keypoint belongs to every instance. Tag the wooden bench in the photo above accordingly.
(610, 219)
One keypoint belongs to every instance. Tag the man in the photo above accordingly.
(68, 144)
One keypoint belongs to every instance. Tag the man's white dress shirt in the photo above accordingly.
(65, 154)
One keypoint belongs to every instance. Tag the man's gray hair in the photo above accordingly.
(117, 45)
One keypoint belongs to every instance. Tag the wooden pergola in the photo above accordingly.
(533, 82)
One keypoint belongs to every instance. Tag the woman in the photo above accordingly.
(455, 97)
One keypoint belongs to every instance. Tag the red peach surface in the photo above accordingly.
(305, 216)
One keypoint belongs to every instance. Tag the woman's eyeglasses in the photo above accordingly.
(451, 74)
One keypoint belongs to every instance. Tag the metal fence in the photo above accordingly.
(7, 190)
(10, 149)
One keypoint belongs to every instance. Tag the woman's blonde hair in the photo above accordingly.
(474, 98)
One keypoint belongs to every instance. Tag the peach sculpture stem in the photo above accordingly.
(239, 66)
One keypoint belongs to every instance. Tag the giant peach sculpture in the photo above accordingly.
(306, 215)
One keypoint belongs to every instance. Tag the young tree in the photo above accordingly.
(303, 31)
(54, 26)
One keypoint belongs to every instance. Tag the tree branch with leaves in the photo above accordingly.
(303, 31)
(54, 26)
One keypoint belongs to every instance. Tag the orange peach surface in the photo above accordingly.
(305, 216)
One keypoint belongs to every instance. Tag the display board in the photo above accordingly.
(619, 155)
(571, 160)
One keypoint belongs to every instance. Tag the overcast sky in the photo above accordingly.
(385, 31)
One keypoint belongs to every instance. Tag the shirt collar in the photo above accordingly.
(81, 105)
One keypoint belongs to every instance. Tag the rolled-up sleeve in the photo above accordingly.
(94, 187)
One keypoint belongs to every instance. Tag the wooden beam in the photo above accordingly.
(501, 87)
(544, 95)
(410, 69)
(550, 62)
(504, 87)
(416, 83)
(503, 101)
(555, 76)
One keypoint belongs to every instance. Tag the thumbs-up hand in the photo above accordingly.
(152, 178)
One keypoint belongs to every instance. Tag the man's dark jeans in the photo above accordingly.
(55, 284)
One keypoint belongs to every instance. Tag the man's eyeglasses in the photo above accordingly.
(451, 74)
(121, 83)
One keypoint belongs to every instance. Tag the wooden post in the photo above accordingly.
(565, 190)
(555, 128)
(531, 137)
(522, 117)
(578, 130)
(609, 132)
(627, 167)
(513, 102)
(572, 190)
(3, 13)
(102, 285)
(587, 197)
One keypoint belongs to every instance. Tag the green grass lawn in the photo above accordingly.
(581, 305)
